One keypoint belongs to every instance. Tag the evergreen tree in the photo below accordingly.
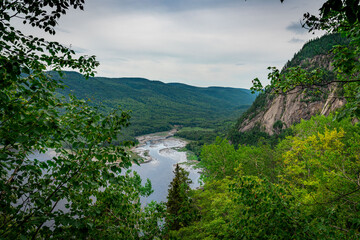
(180, 210)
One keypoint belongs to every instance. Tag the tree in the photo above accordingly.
(217, 213)
(80, 191)
(179, 208)
(219, 159)
(321, 167)
(341, 16)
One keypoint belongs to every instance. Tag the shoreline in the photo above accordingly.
(154, 137)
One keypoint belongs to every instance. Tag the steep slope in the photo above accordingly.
(284, 110)
(271, 113)
(155, 105)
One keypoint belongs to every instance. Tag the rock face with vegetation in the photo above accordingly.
(284, 110)
(274, 112)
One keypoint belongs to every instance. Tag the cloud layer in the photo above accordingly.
(202, 42)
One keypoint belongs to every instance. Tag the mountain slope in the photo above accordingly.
(271, 113)
(155, 105)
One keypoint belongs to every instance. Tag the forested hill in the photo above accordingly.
(316, 47)
(157, 106)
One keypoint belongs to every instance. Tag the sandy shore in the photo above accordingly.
(155, 137)
(165, 138)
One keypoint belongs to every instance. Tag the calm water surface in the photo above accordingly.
(159, 170)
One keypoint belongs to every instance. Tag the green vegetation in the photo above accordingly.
(179, 208)
(156, 106)
(306, 187)
(84, 191)
(303, 185)
(316, 47)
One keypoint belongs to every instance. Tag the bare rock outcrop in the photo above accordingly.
(291, 108)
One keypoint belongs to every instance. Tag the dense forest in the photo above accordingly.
(155, 106)
(300, 183)
(304, 187)
(317, 46)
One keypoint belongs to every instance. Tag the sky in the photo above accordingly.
(197, 42)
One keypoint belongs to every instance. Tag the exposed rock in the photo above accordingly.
(290, 109)
(273, 113)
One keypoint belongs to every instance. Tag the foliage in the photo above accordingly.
(179, 207)
(311, 187)
(218, 159)
(266, 211)
(221, 159)
(321, 166)
(198, 138)
(81, 191)
(217, 213)
(304, 188)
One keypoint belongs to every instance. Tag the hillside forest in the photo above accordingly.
(155, 106)
(299, 182)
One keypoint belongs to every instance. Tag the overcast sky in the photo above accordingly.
(197, 42)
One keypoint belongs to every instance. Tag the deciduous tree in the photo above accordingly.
(81, 191)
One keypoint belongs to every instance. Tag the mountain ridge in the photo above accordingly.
(158, 106)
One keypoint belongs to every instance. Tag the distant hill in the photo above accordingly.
(157, 106)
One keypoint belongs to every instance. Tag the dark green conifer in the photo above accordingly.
(179, 205)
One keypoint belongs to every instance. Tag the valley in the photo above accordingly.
(90, 157)
(155, 106)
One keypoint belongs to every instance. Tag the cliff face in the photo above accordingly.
(275, 112)
(284, 110)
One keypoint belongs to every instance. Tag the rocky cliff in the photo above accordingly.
(282, 111)
(272, 113)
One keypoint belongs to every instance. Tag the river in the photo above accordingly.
(161, 156)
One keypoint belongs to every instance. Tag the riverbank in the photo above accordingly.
(162, 152)
(154, 138)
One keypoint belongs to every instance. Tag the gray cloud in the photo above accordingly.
(295, 27)
(176, 6)
(297, 40)
(194, 42)
(59, 29)
(79, 49)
